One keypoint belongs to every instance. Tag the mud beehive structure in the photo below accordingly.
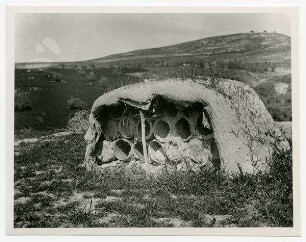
(174, 133)
(180, 123)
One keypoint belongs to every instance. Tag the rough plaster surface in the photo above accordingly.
(242, 125)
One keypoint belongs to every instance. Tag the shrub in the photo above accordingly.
(79, 122)
(103, 79)
(91, 76)
(278, 105)
(22, 101)
(47, 74)
(75, 103)
(93, 66)
(56, 76)
(81, 72)
(278, 195)
(116, 71)
(53, 75)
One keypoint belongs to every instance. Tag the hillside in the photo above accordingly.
(242, 43)
(273, 46)
(261, 60)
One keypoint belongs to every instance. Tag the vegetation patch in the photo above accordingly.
(22, 101)
(79, 122)
(76, 103)
(56, 191)
(279, 105)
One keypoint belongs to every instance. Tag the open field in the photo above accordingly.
(49, 98)
(52, 189)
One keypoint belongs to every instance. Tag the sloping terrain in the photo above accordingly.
(242, 43)
(261, 60)
(270, 45)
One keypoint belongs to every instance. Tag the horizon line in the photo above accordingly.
(71, 61)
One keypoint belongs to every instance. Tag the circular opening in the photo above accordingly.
(161, 129)
(170, 111)
(200, 127)
(147, 129)
(127, 127)
(110, 130)
(138, 150)
(183, 128)
(190, 110)
(122, 149)
(115, 112)
(156, 152)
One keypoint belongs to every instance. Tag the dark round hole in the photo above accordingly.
(155, 145)
(188, 111)
(127, 127)
(183, 128)
(110, 129)
(170, 110)
(115, 112)
(192, 109)
(156, 152)
(122, 149)
(161, 129)
(138, 149)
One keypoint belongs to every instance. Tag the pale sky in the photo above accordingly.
(74, 37)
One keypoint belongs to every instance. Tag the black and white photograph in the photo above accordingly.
(153, 120)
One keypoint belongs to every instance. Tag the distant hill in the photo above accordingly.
(242, 43)
(224, 45)
(34, 65)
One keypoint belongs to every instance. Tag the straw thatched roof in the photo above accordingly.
(241, 123)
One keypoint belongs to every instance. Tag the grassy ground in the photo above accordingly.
(53, 190)
(43, 100)
(49, 98)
